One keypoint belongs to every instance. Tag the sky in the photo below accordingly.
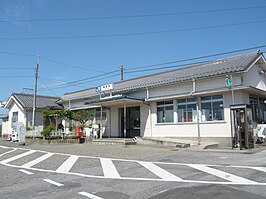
(81, 44)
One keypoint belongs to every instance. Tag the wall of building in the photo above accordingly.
(254, 78)
(21, 116)
(4, 128)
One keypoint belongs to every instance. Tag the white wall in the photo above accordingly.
(4, 127)
(21, 116)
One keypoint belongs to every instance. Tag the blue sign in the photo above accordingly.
(98, 89)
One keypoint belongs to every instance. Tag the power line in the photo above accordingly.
(47, 87)
(19, 54)
(82, 81)
(131, 16)
(167, 67)
(68, 65)
(196, 58)
(133, 34)
(15, 76)
(14, 68)
(78, 84)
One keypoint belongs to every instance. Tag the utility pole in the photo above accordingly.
(122, 72)
(35, 92)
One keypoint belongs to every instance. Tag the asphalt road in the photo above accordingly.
(114, 172)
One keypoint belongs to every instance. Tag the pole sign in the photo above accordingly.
(228, 81)
(106, 87)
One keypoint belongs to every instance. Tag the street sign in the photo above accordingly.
(228, 81)
(98, 89)
(106, 87)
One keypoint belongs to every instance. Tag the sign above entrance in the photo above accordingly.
(106, 87)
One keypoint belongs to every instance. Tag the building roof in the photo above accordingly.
(212, 68)
(42, 102)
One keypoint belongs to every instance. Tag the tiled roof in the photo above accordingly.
(234, 64)
(42, 102)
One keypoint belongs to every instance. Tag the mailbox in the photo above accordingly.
(79, 131)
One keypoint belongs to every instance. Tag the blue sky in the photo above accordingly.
(106, 34)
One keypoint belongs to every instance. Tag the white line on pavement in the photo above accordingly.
(37, 160)
(263, 169)
(109, 169)
(68, 164)
(53, 182)
(222, 174)
(159, 171)
(17, 157)
(4, 147)
(8, 152)
(143, 179)
(89, 195)
(26, 172)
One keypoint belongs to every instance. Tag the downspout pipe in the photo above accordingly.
(198, 109)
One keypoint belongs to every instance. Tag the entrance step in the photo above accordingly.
(113, 141)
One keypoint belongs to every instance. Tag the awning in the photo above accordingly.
(116, 100)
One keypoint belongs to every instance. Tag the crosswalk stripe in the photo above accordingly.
(17, 157)
(53, 182)
(159, 171)
(68, 164)
(263, 169)
(26, 172)
(89, 195)
(7, 152)
(221, 174)
(37, 160)
(109, 169)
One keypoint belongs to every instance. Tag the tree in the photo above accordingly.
(82, 116)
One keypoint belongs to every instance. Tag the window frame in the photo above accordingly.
(211, 101)
(186, 102)
(164, 104)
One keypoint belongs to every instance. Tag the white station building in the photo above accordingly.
(216, 101)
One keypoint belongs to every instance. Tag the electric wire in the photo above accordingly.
(133, 34)
(200, 57)
(131, 16)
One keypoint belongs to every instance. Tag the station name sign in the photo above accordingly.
(106, 87)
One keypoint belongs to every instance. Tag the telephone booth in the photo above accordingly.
(242, 127)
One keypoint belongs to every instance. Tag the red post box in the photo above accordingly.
(79, 132)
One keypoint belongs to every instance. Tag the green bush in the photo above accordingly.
(46, 132)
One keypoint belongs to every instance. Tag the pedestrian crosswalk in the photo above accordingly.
(112, 169)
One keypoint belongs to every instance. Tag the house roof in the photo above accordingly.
(42, 102)
(229, 65)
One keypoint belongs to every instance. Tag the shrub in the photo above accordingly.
(46, 132)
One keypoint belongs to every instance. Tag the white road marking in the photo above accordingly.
(221, 174)
(111, 173)
(109, 169)
(89, 195)
(68, 164)
(53, 182)
(223, 157)
(17, 157)
(4, 147)
(263, 169)
(159, 171)
(37, 160)
(26, 172)
(8, 152)
(142, 179)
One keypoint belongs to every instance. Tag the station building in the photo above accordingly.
(206, 102)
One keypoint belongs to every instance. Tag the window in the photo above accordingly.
(98, 114)
(186, 110)
(212, 108)
(165, 111)
(15, 117)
